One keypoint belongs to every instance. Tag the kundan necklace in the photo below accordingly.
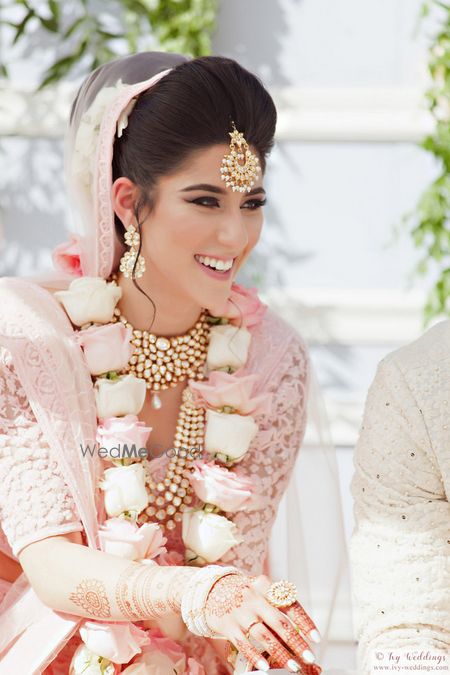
(163, 362)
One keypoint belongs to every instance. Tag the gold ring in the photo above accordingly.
(282, 593)
(247, 633)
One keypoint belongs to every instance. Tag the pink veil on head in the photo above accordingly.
(101, 100)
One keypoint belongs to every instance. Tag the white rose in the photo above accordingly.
(208, 534)
(228, 346)
(125, 490)
(86, 662)
(90, 300)
(125, 395)
(229, 435)
(116, 642)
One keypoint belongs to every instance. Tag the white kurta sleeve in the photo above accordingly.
(400, 547)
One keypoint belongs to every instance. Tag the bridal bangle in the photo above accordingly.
(282, 593)
(194, 598)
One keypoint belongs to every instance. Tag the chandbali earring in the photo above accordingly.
(128, 260)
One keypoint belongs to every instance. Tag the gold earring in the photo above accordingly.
(128, 260)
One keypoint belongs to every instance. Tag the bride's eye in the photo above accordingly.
(205, 201)
(253, 204)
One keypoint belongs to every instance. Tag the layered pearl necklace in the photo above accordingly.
(173, 495)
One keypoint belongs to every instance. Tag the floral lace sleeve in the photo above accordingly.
(271, 457)
(399, 547)
(34, 500)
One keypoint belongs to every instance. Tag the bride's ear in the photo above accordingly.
(124, 194)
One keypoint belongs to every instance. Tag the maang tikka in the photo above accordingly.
(128, 260)
(240, 168)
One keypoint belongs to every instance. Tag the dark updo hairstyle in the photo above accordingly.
(189, 109)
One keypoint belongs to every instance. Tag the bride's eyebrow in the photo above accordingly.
(218, 190)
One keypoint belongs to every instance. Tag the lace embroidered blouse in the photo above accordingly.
(35, 501)
(400, 549)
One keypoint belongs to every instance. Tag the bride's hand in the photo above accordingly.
(236, 608)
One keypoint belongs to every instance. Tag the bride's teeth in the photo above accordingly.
(220, 265)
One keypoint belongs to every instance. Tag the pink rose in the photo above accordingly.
(243, 307)
(194, 668)
(233, 391)
(66, 257)
(172, 558)
(106, 347)
(126, 539)
(116, 432)
(116, 641)
(161, 651)
(216, 485)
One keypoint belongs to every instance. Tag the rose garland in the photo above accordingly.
(230, 408)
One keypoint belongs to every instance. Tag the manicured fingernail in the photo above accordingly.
(262, 665)
(293, 666)
(315, 636)
(308, 656)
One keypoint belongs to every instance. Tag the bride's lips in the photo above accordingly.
(215, 274)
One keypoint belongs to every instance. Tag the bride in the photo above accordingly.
(152, 408)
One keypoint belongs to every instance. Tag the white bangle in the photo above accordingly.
(194, 598)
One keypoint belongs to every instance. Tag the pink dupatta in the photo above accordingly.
(49, 363)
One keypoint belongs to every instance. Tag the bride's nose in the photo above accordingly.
(233, 234)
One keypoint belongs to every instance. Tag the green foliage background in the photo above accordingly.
(431, 219)
(184, 26)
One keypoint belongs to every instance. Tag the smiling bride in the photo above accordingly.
(152, 409)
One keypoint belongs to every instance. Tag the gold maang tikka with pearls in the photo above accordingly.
(240, 167)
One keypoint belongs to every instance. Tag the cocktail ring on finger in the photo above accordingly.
(281, 593)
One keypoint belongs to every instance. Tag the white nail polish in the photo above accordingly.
(315, 636)
(262, 665)
(293, 666)
(308, 656)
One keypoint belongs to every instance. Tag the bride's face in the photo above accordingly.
(195, 215)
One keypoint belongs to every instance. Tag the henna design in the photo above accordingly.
(300, 617)
(90, 594)
(279, 656)
(227, 594)
(293, 639)
(311, 669)
(249, 652)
